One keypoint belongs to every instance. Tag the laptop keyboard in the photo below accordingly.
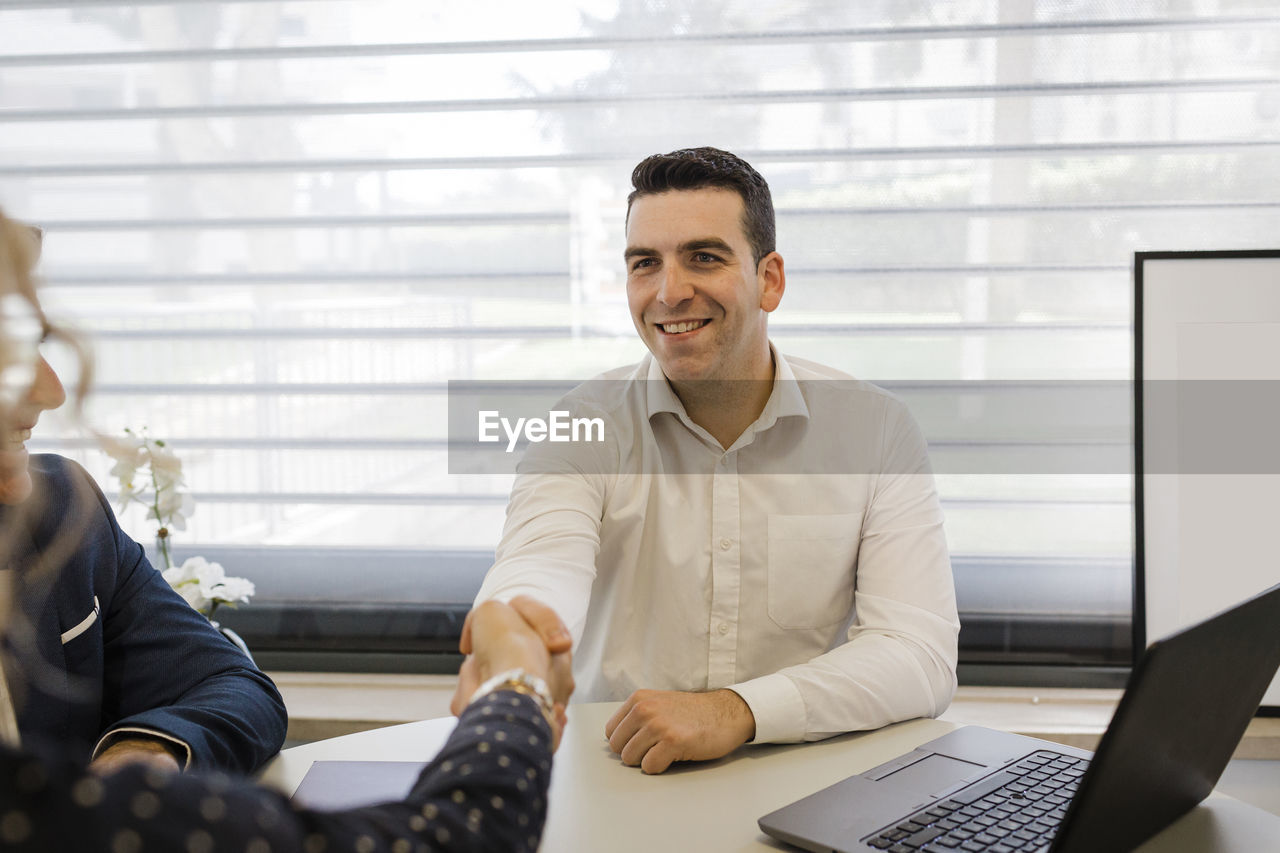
(1018, 808)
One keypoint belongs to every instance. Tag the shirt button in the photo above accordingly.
(726, 544)
(724, 628)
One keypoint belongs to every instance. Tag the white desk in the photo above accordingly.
(599, 804)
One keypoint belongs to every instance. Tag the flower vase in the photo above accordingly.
(162, 561)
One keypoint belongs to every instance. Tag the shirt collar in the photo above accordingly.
(785, 400)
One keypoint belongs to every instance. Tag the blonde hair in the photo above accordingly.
(23, 326)
(19, 249)
(20, 246)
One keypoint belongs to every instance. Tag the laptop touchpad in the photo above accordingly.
(933, 773)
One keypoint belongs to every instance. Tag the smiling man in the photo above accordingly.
(755, 553)
(700, 295)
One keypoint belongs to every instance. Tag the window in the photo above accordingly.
(286, 225)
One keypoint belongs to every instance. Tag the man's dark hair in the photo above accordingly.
(702, 168)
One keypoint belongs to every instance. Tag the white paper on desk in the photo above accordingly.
(349, 784)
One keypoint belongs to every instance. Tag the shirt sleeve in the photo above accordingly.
(551, 536)
(898, 660)
(179, 749)
(486, 790)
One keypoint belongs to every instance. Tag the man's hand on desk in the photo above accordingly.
(656, 727)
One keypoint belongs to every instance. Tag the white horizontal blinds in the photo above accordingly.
(288, 224)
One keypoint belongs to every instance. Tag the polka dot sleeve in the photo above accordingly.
(486, 790)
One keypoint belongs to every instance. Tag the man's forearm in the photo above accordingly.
(869, 682)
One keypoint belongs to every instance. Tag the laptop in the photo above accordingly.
(1186, 706)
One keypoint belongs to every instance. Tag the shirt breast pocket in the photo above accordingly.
(811, 568)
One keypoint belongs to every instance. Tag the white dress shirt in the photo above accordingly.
(805, 567)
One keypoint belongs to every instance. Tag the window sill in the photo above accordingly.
(324, 705)
(1076, 716)
(328, 704)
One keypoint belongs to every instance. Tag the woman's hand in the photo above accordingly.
(524, 634)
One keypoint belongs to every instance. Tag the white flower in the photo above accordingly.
(166, 467)
(129, 491)
(126, 469)
(171, 508)
(151, 474)
(186, 573)
(186, 579)
(236, 590)
(130, 454)
(192, 595)
(204, 584)
(127, 449)
(209, 575)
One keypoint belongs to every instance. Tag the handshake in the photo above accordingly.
(520, 635)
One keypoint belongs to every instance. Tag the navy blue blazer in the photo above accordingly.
(112, 646)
